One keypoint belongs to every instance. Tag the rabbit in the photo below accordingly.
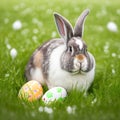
(64, 61)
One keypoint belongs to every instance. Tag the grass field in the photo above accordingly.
(103, 99)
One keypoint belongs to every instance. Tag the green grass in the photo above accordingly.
(102, 101)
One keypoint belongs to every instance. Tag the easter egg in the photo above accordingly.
(54, 94)
(31, 91)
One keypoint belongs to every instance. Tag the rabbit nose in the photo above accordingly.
(80, 57)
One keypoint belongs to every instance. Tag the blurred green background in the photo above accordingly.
(35, 26)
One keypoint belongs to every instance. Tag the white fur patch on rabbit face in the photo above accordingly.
(79, 42)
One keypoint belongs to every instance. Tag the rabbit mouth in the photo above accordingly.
(79, 71)
(75, 72)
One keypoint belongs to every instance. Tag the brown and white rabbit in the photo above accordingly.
(64, 61)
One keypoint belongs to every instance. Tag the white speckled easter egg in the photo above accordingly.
(54, 94)
(31, 91)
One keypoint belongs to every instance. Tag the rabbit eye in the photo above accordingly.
(70, 49)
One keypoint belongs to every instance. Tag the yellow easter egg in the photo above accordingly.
(31, 91)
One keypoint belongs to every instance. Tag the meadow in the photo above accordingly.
(102, 101)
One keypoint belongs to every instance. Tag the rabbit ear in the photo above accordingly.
(78, 30)
(64, 27)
